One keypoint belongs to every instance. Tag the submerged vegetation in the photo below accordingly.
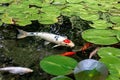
(93, 21)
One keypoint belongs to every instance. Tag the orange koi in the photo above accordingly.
(86, 46)
(68, 53)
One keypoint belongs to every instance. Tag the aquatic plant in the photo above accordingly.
(88, 69)
(103, 17)
(58, 65)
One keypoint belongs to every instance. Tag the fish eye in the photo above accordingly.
(66, 44)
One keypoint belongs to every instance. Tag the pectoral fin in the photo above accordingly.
(46, 43)
(56, 46)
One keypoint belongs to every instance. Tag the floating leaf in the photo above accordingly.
(23, 22)
(48, 19)
(58, 2)
(58, 65)
(49, 15)
(101, 24)
(111, 57)
(115, 19)
(99, 36)
(61, 78)
(7, 19)
(117, 6)
(2, 9)
(74, 1)
(90, 69)
(5, 1)
(50, 9)
(89, 17)
(35, 2)
(0, 23)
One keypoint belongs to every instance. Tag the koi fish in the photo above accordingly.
(86, 46)
(57, 39)
(68, 53)
(16, 70)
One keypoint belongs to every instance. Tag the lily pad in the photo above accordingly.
(58, 2)
(61, 78)
(88, 16)
(58, 65)
(111, 57)
(90, 69)
(101, 24)
(100, 36)
(115, 19)
(73, 1)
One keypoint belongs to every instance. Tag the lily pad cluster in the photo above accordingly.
(104, 17)
(111, 57)
(22, 12)
(62, 66)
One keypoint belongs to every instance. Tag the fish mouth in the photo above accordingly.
(31, 70)
(71, 45)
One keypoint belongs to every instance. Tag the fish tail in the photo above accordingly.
(21, 34)
(2, 69)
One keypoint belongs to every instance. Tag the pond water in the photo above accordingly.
(29, 51)
(26, 52)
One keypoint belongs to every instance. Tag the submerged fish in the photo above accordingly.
(16, 70)
(68, 53)
(57, 39)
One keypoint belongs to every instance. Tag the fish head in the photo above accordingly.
(67, 42)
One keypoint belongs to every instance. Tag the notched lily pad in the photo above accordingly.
(101, 36)
(61, 78)
(101, 24)
(58, 65)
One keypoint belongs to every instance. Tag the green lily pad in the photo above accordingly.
(7, 19)
(58, 65)
(111, 57)
(58, 2)
(84, 14)
(101, 24)
(0, 23)
(48, 19)
(100, 36)
(61, 78)
(90, 69)
(5, 1)
(115, 19)
(73, 1)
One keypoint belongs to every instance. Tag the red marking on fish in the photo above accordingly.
(86, 46)
(68, 53)
(66, 41)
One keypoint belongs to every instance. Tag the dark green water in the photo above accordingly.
(27, 52)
